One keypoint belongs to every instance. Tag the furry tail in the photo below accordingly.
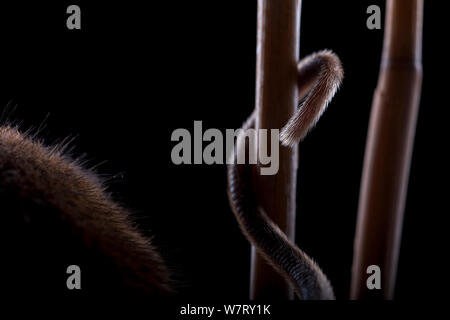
(320, 75)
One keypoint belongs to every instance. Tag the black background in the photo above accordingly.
(136, 72)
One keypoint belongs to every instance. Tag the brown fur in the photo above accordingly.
(319, 76)
(43, 187)
(61, 214)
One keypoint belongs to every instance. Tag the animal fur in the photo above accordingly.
(56, 213)
(319, 77)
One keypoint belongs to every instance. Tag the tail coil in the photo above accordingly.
(320, 75)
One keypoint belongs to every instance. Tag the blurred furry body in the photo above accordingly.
(59, 214)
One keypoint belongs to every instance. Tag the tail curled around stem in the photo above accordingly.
(320, 75)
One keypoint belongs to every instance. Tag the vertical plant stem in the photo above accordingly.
(278, 37)
(389, 149)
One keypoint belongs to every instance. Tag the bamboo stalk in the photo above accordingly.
(276, 100)
(389, 149)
